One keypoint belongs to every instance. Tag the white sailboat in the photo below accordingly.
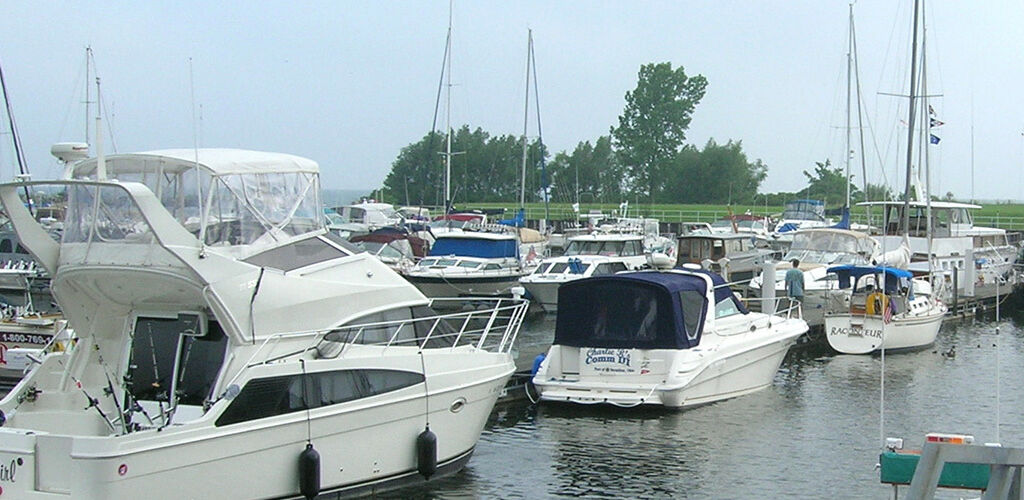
(890, 310)
(229, 345)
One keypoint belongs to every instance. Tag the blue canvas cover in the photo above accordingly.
(640, 310)
(894, 278)
(473, 247)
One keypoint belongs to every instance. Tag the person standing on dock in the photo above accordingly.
(795, 282)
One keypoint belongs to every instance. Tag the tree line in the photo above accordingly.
(644, 158)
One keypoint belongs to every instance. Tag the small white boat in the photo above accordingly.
(469, 264)
(902, 314)
(676, 338)
(800, 214)
(587, 255)
(229, 346)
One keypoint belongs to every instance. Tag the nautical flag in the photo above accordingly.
(931, 110)
(936, 123)
(934, 139)
(887, 314)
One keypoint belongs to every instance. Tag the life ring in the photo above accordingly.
(876, 303)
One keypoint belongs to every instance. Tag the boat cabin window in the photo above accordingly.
(632, 247)
(427, 262)
(272, 396)
(541, 269)
(609, 268)
(174, 360)
(446, 262)
(559, 267)
(469, 264)
(692, 302)
(492, 267)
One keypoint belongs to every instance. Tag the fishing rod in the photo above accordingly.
(93, 403)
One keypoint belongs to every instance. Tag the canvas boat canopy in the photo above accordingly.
(484, 248)
(895, 279)
(226, 197)
(640, 310)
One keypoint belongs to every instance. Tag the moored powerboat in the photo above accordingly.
(229, 345)
(586, 255)
(674, 338)
(470, 264)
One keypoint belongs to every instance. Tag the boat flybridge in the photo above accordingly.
(976, 255)
(800, 214)
(888, 310)
(228, 343)
(674, 338)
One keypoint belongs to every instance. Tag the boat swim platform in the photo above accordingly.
(995, 470)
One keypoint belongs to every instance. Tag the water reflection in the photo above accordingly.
(815, 433)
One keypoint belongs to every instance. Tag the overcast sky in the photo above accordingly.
(350, 83)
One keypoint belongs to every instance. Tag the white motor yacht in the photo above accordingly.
(976, 255)
(587, 255)
(229, 346)
(901, 314)
(470, 264)
(673, 338)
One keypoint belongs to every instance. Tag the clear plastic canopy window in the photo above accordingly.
(241, 209)
(244, 209)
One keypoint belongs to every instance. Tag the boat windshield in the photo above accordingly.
(830, 247)
(606, 248)
(804, 210)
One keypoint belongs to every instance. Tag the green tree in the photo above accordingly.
(484, 168)
(599, 172)
(653, 123)
(720, 173)
(878, 192)
(417, 175)
(828, 184)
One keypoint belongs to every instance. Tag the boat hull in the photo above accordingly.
(365, 447)
(713, 379)
(440, 287)
(544, 293)
(864, 334)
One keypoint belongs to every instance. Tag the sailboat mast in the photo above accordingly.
(526, 114)
(849, 92)
(926, 127)
(448, 118)
(910, 121)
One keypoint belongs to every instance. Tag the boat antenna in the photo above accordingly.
(19, 153)
(101, 161)
(195, 152)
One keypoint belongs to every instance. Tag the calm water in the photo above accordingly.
(813, 434)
